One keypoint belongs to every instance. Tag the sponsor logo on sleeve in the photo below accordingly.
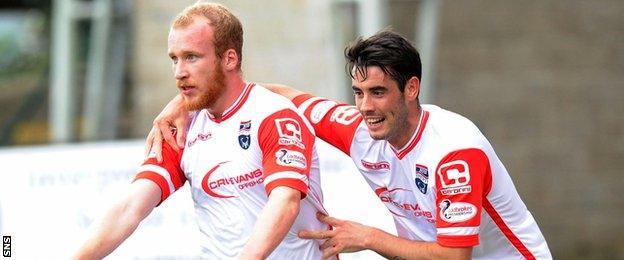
(285, 157)
(456, 211)
(422, 178)
(320, 110)
(376, 166)
(345, 115)
(454, 178)
(289, 132)
(244, 134)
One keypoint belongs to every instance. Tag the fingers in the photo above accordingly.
(182, 125)
(157, 145)
(331, 251)
(328, 247)
(327, 219)
(163, 130)
(148, 142)
(181, 136)
(169, 138)
(328, 243)
(325, 234)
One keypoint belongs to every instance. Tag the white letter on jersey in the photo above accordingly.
(345, 115)
(454, 174)
(289, 132)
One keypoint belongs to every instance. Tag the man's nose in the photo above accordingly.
(366, 104)
(180, 71)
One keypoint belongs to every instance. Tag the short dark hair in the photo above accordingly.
(388, 50)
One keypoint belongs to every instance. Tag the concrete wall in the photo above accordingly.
(544, 80)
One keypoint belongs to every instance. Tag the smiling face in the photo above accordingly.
(197, 69)
(382, 105)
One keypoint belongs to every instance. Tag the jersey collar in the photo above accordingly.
(234, 107)
(400, 153)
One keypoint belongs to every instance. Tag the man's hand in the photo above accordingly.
(172, 120)
(346, 237)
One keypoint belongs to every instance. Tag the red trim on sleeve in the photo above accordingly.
(291, 183)
(515, 241)
(458, 241)
(298, 100)
(286, 143)
(171, 164)
(459, 183)
(159, 180)
(175, 173)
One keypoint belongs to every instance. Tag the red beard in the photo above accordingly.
(209, 96)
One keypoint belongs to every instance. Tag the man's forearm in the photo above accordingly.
(107, 235)
(274, 221)
(283, 90)
(120, 221)
(393, 247)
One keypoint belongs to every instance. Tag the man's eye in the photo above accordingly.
(191, 57)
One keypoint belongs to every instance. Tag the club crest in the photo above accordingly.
(422, 178)
(244, 134)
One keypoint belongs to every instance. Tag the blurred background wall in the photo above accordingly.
(543, 79)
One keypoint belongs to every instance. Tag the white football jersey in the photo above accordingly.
(446, 185)
(232, 163)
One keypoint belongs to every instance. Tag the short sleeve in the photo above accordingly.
(463, 176)
(286, 143)
(335, 123)
(167, 175)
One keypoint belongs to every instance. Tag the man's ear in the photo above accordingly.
(412, 89)
(230, 60)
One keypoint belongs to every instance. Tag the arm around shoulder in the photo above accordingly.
(283, 90)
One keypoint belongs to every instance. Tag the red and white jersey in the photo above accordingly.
(234, 162)
(446, 185)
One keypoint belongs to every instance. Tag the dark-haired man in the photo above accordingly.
(449, 194)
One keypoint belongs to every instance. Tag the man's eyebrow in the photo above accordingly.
(377, 88)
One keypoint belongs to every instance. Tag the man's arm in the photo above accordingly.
(393, 247)
(274, 221)
(349, 236)
(120, 220)
(283, 90)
